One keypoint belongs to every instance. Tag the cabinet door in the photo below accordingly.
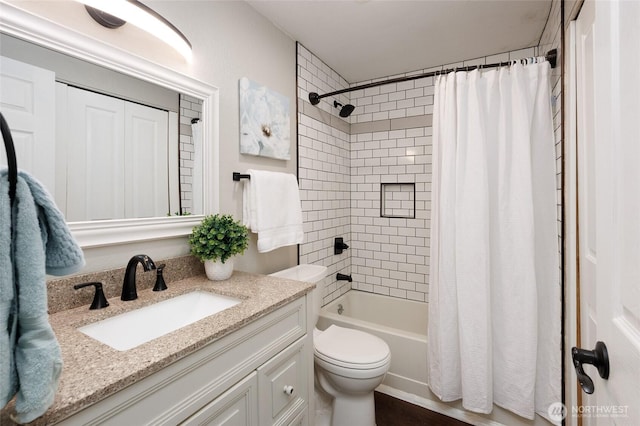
(282, 385)
(301, 420)
(236, 407)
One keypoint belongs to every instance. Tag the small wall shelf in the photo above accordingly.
(398, 200)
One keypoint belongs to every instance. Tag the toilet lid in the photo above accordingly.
(347, 346)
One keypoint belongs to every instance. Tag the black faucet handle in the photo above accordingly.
(99, 301)
(339, 245)
(160, 284)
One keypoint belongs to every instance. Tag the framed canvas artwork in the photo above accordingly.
(264, 121)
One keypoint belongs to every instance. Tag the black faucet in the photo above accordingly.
(129, 285)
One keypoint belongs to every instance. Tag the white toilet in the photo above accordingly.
(349, 364)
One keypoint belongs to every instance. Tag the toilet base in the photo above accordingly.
(323, 407)
(354, 410)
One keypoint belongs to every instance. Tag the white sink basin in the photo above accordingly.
(128, 330)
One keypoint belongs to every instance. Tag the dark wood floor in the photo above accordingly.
(391, 411)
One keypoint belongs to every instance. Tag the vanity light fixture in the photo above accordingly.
(114, 13)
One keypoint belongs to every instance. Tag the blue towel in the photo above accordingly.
(39, 243)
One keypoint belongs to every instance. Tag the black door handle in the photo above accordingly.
(599, 357)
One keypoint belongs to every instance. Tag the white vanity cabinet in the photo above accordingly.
(236, 407)
(282, 386)
(256, 375)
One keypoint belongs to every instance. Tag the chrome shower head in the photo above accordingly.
(345, 110)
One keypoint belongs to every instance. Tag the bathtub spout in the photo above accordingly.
(343, 277)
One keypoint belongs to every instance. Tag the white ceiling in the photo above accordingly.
(366, 39)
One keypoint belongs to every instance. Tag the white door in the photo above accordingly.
(587, 249)
(117, 158)
(95, 150)
(146, 167)
(27, 101)
(608, 109)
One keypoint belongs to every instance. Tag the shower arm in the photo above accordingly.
(314, 98)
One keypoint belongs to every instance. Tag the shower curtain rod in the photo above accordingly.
(314, 98)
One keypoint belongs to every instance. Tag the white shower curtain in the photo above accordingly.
(197, 191)
(494, 295)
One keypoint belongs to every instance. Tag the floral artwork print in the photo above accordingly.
(264, 121)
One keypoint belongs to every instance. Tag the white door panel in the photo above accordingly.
(117, 158)
(95, 176)
(608, 158)
(587, 249)
(618, 189)
(146, 161)
(27, 100)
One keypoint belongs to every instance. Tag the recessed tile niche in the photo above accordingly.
(398, 200)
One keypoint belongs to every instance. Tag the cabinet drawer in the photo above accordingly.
(236, 407)
(282, 385)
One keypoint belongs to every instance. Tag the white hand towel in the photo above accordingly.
(272, 209)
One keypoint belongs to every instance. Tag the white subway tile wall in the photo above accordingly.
(388, 141)
(390, 256)
(323, 175)
(552, 39)
(190, 108)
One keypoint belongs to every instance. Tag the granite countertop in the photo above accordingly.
(93, 371)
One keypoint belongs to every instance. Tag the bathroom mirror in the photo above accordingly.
(165, 221)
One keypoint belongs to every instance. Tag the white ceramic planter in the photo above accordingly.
(217, 271)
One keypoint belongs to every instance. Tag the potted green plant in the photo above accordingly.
(215, 241)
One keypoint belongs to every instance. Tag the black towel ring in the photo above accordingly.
(11, 157)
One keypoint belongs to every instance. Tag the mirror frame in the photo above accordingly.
(27, 26)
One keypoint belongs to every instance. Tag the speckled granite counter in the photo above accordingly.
(93, 371)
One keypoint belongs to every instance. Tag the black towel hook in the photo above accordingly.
(11, 157)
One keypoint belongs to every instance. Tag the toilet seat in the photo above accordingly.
(345, 348)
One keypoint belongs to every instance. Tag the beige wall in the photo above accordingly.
(230, 40)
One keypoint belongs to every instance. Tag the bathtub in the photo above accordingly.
(403, 325)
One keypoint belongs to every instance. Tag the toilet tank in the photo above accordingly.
(310, 274)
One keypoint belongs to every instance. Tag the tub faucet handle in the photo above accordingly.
(339, 246)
